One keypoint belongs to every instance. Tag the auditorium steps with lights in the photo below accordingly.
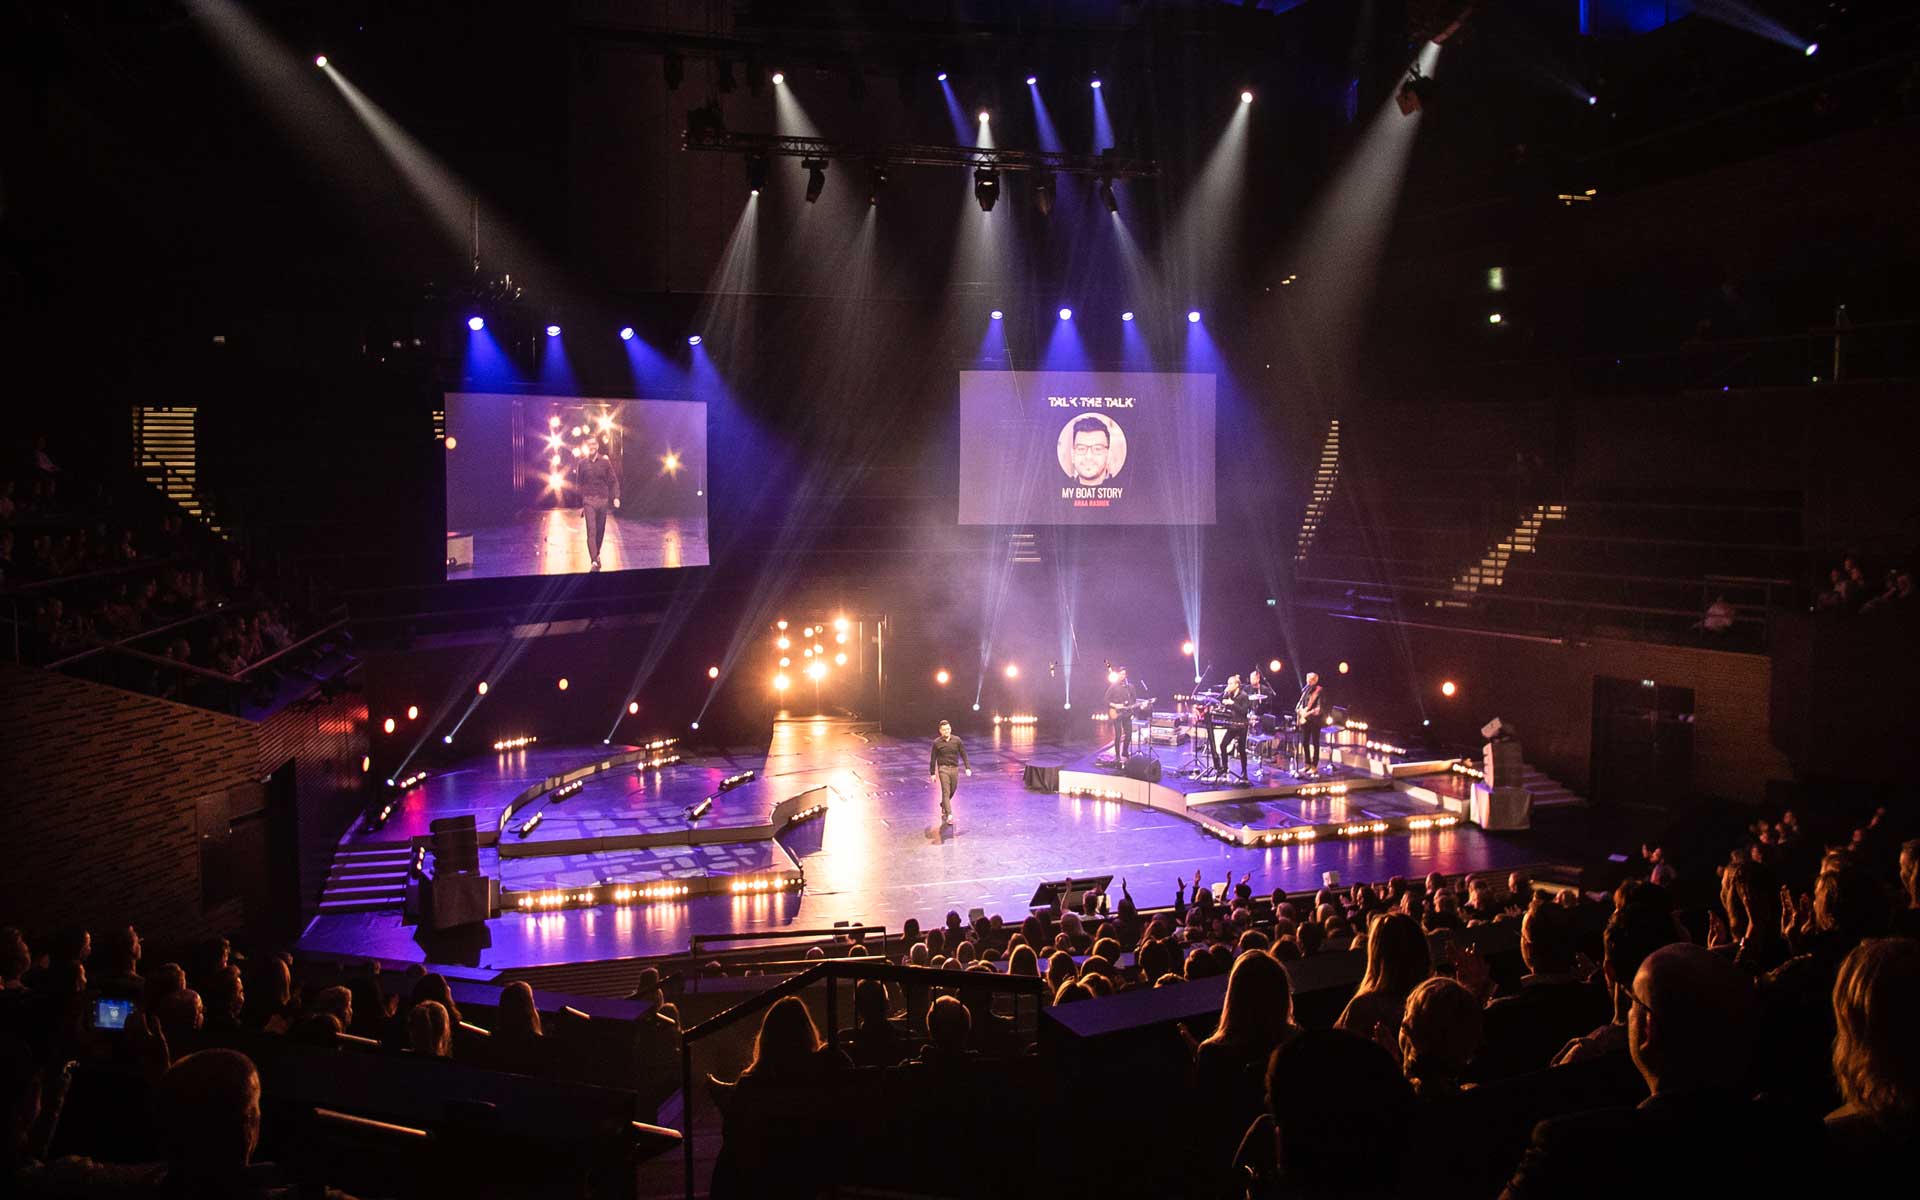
(369, 880)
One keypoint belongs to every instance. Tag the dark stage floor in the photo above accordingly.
(879, 853)
(554, 542)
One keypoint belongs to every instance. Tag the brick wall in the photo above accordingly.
(101, 793)
(1547, 691)
(102, 789)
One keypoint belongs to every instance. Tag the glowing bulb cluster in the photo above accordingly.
(515, 743)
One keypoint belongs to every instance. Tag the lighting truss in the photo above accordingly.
(707, 136)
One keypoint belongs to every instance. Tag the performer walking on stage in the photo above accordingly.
(1307, 713)
(1119, 701)
(599, 491)
(945, 763)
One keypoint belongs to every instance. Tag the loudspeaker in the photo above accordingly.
(455, 845)
(1496, 730)
(1142, 767)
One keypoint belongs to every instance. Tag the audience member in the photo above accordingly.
(429, 1030)
(1397, 960)
(1439, 1036)
(1691, 1032)
(1525, 1030)
(519, 1042)
(1339, 1116)
(788, 1050)
(877, 1040)
(1876, 1058)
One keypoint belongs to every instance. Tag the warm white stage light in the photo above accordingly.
(562, 685)
(633, 708)
(713, 672)
(1013, 670)
(941, 677)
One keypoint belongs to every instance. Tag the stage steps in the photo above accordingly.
(372, 879)
(1546, 791)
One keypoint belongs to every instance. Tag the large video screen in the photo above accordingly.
(557, 485)
(1086, 448)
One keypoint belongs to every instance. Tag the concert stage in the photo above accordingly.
(875, 851)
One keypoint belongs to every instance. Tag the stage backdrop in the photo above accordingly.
(1086, 448)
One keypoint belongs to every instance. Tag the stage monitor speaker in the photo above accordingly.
(1049, 892)
(1141, 766)
(1496, 730)
(456, 846)
(456, 900)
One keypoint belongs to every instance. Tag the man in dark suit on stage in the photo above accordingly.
(1119, 701)
(599, 491)
(1308, 711)
(947, 760)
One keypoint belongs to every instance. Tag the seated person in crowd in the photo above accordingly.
(1525, 1030)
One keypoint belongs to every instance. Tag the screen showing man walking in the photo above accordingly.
(559, 485)
(1086, 448)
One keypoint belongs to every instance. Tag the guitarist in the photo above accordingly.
(1307, 713)
(1119, 701)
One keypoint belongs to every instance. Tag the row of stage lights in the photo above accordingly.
(516, 743)
(627, 333)
(1066, 313)
(1018, 720)
(756, 886)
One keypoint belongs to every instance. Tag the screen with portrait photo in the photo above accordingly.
(1086, 448)
(532, 479)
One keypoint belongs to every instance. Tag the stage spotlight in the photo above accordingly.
(1592, 100)
(807, 653)
(941, 677)
(780, 624)
(553, 331)
(778, 77)
(783, 643)
(693, 339)
(780, 683)
(941, 77)
(1044, 192)
(756, 173)
(1448, 688)
(807, 632)
(1273, 666)
(785, 661)
(996, 314)
(633, 708)
(841, 625)
(562, 684)
(320, 60)
(819, 649)
(1066, 314)
(841, 638)
(1096, 81)
(1193, 316)
(1413, 94)
(816, 169)
(553, 422)
(1246, 97)
(1068, 705)
(1343, 668)
(976, 706)
(695, 726)
(986, 187)
(1113, 677)
(452, 442)
(713, 672)
(1108, 198)
(626, 333)
(1127, 315)
(1493, 318)
(1813, 48)
(1013, 670)
(1186, 649)
(816, 670)
(1031, 79)
(413, 712)
(985, 116)
(476, 323)
(840, 659)
(876, 182)
(482, 689)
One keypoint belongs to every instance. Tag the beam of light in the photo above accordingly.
(1200, 248)
(1102, 127)
(449, 201)
(956, 116)
(983, 130)
(790, 116)
(556, 372)
(487, 365)
(1748, 19)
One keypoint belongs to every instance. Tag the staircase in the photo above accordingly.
(373, 879)
(1491, 570)
(166, 453)
(1325, 475)
(1547, 793)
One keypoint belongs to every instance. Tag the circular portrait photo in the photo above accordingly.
(1092, 449)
